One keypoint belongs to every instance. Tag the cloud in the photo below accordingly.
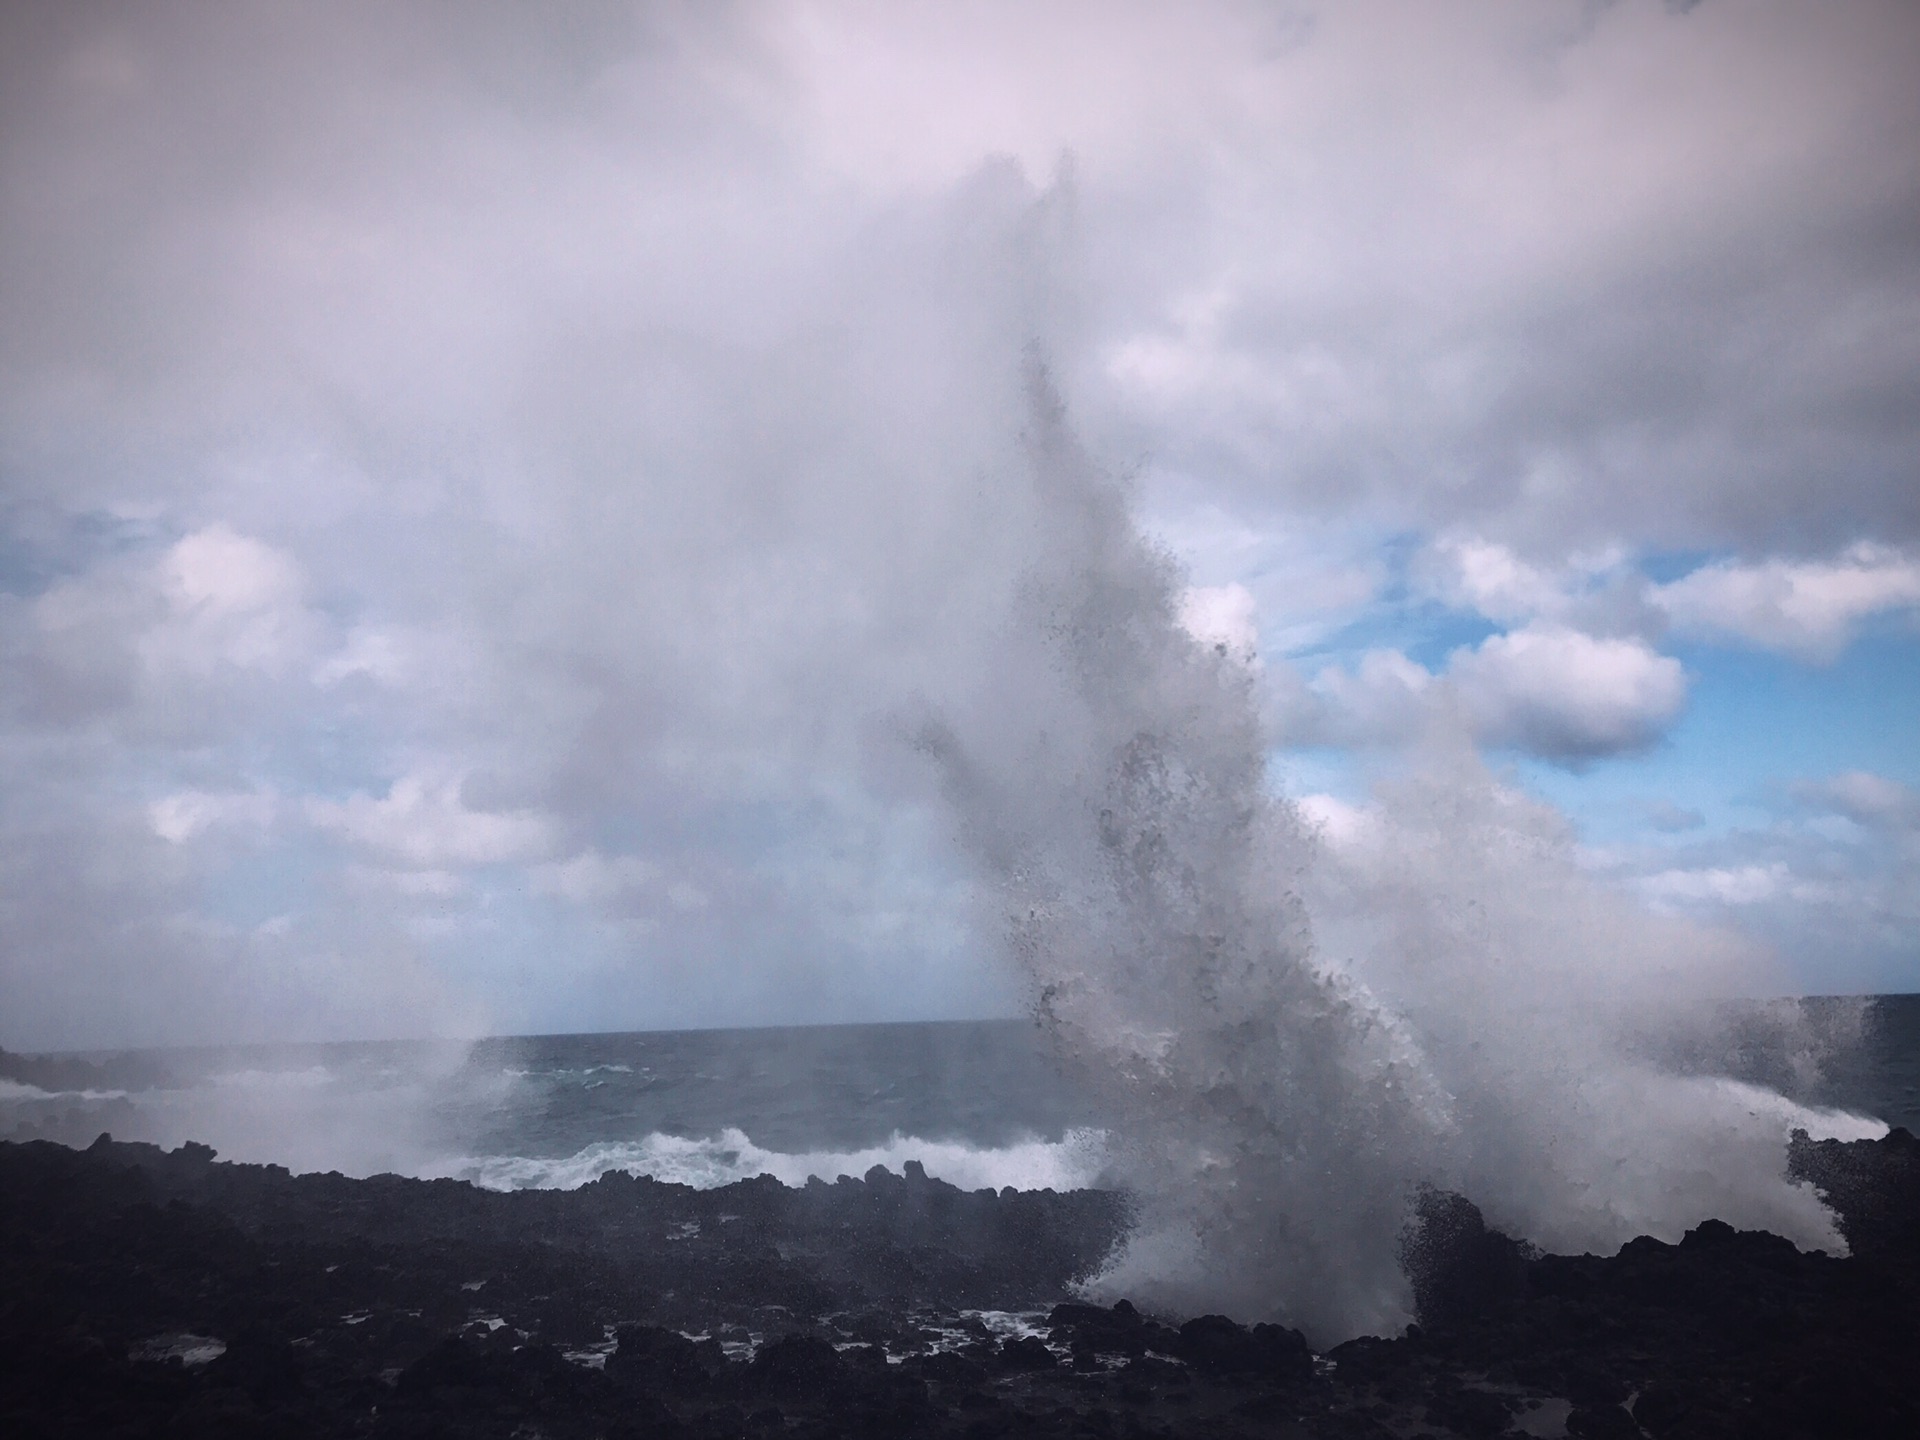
(381, 655)
(191, 638)
(1383, 698)
(426, 824)
(188, 814)
(1865, 798)
(628, 417)
(1545, 689)
(1598, 590)
(1829, 884)
(231, 600)
(1463, 332)
(1568, 695)
(591, 877)
(219, 574)
(1805, 608)
(1724, 885)
(1487, 578)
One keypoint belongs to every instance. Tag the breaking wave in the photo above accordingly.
(1075, 1161)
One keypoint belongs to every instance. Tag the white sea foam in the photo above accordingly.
(16, 1090)
(1074, 1161)
(190, 1350)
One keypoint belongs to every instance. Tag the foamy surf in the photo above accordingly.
(1073, 1162)
(12, 1092)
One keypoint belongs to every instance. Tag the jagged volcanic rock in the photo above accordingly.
(150, 1293)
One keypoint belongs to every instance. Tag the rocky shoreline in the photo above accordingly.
(171, 1294)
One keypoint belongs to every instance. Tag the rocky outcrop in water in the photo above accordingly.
(150, 1293)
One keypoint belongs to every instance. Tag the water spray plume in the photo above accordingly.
(1280, 1110)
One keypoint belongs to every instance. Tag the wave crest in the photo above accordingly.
(1075, 1161)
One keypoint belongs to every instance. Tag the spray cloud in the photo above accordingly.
(1488, 1024)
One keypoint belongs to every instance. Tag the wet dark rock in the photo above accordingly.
(948, 1369)
(1677, 1409)
(1586, 1382)
(873, 1327)
(260, 1361)
(1116, 1331)
(1469, 1412)
(1215, 1345)
(398, 1308)
(1601, 1422)
(1370, 1359)
(454, 1363)
(1873, 1185)
(652, 1358)
(1266, 1409)
(799, 1365)
(1151, 1370)
(1459, 1267)
(1026, 1353)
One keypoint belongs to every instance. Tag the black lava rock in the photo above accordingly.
(171, 1294)
(1026, 1353)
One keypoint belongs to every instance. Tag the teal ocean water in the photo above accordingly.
(979, 1103)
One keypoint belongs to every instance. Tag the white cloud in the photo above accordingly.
(591, 875)
(1864, 798)
(1383, 699)
(432, 885)
(186, 814)
(1806, 608)
(1830, 883)
(1306, 581)
(231, 600)
(1554, 691)
(1565, 694)
(1722, 885)
(684, 895)
(1491, 580)
(425, 824)
(1471, 573)
(217, 572)
(620, 884)
(379, 654)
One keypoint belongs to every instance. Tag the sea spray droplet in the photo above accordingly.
(1276, 1117)
(1281, 1110)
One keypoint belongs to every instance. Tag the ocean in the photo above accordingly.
(979, 1104)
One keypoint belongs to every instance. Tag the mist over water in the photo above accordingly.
(1277, 1026)
(978, 1104)
(1299, 1034)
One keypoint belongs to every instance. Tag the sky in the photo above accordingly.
(484, 487)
